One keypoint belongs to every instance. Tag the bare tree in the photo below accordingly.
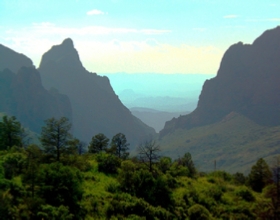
(148, 153)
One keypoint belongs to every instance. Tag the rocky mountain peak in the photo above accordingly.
(64, 54)
(247, 82)
(68, 42)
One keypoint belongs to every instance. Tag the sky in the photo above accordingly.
(158, 36)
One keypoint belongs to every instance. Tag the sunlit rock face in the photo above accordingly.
(247, 82)
(96, 107)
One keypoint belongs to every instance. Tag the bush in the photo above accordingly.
(13, 164)
(108, 163)
(198, 212)
(245, 194)
(124, 205)
(60, 185)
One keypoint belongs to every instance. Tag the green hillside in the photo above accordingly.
(235, 143)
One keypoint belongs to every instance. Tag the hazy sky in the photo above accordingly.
(162, 36)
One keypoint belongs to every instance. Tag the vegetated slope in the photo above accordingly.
(235, 143)
(96, 108)
(22, 94)
(247, 82)
(247, 85)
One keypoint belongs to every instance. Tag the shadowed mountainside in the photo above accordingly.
(13, 60)
(237, 120)
(96, 108)
(23, 96)
(247, 83)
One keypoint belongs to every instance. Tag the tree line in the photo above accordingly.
(53, 181)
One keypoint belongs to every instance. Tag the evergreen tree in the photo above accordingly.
(11, 132)
(119, 146)
(55, 136)
(98, 143)
(260, 175)
(187, 161)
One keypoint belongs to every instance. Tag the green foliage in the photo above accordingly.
(99, 143)
(239, 178)
(124, 205)
(245, 194)
(139, 182)
(222, 175)
(198, 212)
(260, 176)
(13, 164)
(119, 146)
(11, 132)
(52, 212)
(187, 161)
(108, 163)
(179, 170)
(34, 187)
(164, 164)
(60, 185)
(55, 136)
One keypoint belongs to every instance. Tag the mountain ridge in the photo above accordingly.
(247, 82)
(96, 107)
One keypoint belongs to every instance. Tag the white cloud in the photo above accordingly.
(140, 56)
(264, 20)
(231, 16)
(95, 12)
(111, 53)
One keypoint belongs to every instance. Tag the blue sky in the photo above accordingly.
(161, 36)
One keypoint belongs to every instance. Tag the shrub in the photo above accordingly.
(198, 212)
(245, 194)
(108, 163)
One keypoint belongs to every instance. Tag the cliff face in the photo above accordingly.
(13, 60)
(96, 108)
(247, 83)
(23, 95)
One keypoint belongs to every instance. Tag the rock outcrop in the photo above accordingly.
(96, 107)
(247, 82)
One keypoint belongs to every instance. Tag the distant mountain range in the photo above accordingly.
(163, 92)
(154, 118)
(87, 99)
(246, 85)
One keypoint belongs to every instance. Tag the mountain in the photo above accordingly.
(235, 144)
(13, 60)
(154, 118)
(96, 107)
(247, 82)
(237, 119)
(23, 95)
(134, 90)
